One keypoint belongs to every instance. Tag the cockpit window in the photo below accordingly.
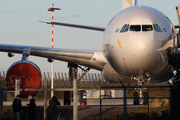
(124, 28)
(157, 28)
(147, 28)
(136, 28)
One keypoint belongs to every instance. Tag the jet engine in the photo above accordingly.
(29, 75)
(109, 74)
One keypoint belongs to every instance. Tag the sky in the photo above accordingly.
(19, 25)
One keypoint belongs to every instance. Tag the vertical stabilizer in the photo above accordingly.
(128, 3)
(133, 2)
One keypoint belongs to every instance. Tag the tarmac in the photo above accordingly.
(91, 111)
(89, 102)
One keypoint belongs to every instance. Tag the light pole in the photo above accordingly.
(52, 80)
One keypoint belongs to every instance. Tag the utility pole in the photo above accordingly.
(52, 72)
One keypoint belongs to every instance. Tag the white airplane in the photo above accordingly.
(134, 48)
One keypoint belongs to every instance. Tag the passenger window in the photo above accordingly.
(147, 28)
(136, 28)
(124, 28)
(157, 28)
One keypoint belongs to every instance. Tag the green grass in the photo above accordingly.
(157, 110)
(152, 93)
(141, 113)
(4, 109)
(2, 83)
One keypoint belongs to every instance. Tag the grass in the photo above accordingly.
(142, 114)
(152, 92)
(2, 83)
(4, 109)
(151, 110)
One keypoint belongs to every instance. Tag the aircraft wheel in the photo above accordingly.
(146, 100)
(136, 98)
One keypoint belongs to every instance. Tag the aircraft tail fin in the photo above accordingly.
(128, 3)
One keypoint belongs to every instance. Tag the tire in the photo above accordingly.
(136, 98)
(146, 100)
(63, 118)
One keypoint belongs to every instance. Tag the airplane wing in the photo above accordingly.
(88, 58)
(75, 25)
(176, 26)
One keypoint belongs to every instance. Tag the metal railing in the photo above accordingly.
(148, 88)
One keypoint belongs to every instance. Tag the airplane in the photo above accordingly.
(134, 49)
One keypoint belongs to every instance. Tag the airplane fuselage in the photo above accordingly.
(136, 40)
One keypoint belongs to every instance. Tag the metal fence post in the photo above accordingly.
(170, 92)
(3, 74)
(148, 104)
(45, 98)
(125, 101)
(75, 107)
(100, 105)
(17, 87)
(125, 105)
(170, 100)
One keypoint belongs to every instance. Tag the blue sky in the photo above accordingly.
(19, 25)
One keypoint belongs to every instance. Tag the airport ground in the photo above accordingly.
(87, 112)
(91, 111)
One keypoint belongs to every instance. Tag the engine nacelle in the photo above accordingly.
(110, 75)
(29, 75)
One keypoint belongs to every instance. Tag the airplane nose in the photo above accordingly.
(142, 44)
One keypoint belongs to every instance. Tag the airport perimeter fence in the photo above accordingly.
(96, 79)
(89, 79)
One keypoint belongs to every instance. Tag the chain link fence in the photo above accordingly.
(62, 79)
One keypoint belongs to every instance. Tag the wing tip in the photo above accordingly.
(44, 21)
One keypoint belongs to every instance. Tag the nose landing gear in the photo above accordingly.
(136, 98)
(139, 95)
(145, 98)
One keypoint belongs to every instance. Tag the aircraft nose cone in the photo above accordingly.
(142, 46)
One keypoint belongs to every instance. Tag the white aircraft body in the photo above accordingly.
(135, 43)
